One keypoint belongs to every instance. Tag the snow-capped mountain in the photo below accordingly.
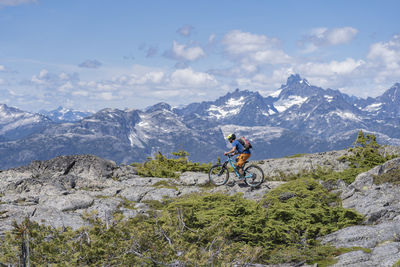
(239, 107)
(297, 118)
(314, 111)
(17, 124)
(388, 105)
(65, 115)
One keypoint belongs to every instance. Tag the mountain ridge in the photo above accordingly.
(302, 118)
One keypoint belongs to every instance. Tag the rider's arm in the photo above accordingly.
(233, 150)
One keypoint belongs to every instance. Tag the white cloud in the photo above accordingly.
(273, 56)
(65, 87)
(152, 77)
(385, 60)
(63, 76)
(331, 68)
(320, 37)
(386, 52)
(44, 78)
(37, 80)
(43, 73)
(80, 93)
(189, 78)
(16, 2)
(107, 86)
(253, 49)
(2, 68)
(238, 42)
(252, 61)
(340, 35)
(183, 52)
(106, 96)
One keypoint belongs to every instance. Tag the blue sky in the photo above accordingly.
(91, 54)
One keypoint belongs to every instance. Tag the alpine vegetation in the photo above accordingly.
(312, 208)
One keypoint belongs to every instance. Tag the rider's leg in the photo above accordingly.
(241, 160)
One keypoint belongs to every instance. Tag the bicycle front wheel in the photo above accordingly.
(218, 174)
(254, 176)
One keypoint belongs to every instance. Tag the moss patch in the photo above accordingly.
(165, 184)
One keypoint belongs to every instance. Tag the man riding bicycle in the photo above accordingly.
(238, 148)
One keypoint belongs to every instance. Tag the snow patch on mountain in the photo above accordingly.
(18, 123)
(276, 93)
(62, 114)
(254, 134)
(373, 107)
(232, 107)
(268, 112)
(135, 140)
(345, 115)
(283, 104)
(328, 98)
(304, 81)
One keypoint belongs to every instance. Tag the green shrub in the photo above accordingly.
(198, 229)
(363, 156)
(161, 166)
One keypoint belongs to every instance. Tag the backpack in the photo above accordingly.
(245, 143)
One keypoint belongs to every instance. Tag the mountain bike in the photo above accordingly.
(219, 173)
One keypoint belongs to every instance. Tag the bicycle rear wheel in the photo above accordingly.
(218, 174)
(254, 176)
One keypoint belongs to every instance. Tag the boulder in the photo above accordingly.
(378, 202)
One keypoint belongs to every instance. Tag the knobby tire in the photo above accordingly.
(218, 174)
(258, 178)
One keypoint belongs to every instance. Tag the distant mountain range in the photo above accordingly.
(65, 115)
(297, 118)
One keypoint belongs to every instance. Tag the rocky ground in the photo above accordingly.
(59, 191)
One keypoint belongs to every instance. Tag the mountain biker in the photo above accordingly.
(238, 148)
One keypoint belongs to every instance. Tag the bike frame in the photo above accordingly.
(234, 167)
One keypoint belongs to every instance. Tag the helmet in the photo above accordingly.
(231, 137)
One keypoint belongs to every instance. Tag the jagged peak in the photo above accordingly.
(392, 94)
(296, 79)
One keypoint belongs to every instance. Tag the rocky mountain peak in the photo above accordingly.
(389, 102)
(298, 87)
(6, 110)
(295, 79)
(159, 106)
(393, 94)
